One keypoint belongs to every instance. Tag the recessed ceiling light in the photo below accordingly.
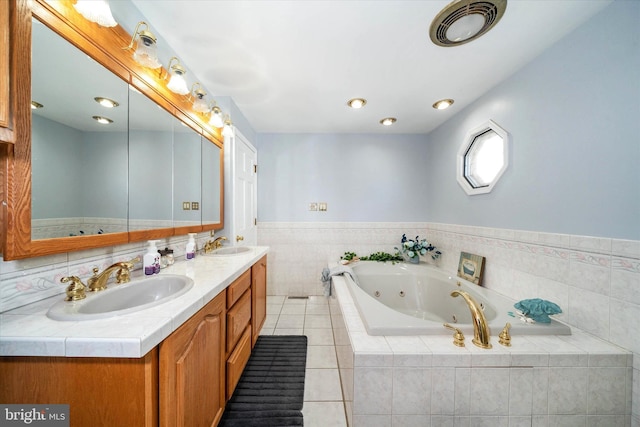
(357, 102)
(102, 120)
(106, 102)
(442, 104)
(35, 105)
(388, 121)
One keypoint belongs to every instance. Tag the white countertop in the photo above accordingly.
(27, 331)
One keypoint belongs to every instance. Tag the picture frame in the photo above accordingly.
(471, 267)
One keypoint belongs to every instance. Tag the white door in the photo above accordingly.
(245, 209)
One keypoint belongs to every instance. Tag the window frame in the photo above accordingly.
(465, 148)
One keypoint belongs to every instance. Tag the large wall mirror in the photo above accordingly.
(85, 174)
(79, 147)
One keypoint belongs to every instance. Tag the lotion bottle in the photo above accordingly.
(190, 250)
(151, 259)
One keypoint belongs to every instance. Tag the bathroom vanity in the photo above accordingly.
(176, 363)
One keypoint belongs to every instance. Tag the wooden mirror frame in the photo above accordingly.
(105, 46)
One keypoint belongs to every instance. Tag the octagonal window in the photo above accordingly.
(482, 158)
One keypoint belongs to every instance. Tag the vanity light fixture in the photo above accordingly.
(443, 104)
(357, 103)
(388, 121)
(36, 105)
(462, 21)
(216, 119)
(177, 83)
(106, 102)
(103, 120)
(146, 53)
(227, 129)
(97, 11)
(199, 103)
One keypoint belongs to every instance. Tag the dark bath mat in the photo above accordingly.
(270, 391)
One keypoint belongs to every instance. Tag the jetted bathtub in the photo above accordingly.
(410, 299)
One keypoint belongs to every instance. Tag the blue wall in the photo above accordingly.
(360, 177)
(574, 117)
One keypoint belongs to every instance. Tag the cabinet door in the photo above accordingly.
(100, 391)
(192, 369)
(259, 300)
(238, 318)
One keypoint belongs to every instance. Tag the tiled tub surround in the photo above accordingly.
(27, 331)
(575, 380)
(596, 281)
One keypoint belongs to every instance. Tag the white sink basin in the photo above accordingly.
(231, 250)
(123, 299)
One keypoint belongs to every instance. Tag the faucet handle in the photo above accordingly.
(123, 275)
(505, 337)
(75, 290)
(458, 336)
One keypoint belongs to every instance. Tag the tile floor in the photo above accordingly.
(323, 405)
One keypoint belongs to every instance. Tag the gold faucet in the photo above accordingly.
(481, 334)
(75, 290)
(458, 336)
(98, 282)
(214, 244)
(505, 336)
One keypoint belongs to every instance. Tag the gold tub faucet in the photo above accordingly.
(98, 282)
(481, 334)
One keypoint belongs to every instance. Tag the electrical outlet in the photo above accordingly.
(322, 207)
(195, 206)
(313, 206)
(186, 206)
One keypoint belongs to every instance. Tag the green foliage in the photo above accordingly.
(376, 256)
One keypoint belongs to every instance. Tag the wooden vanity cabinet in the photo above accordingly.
(192, 365)
(100, 391)
(184, 381)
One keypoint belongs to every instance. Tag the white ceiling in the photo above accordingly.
(291, 66)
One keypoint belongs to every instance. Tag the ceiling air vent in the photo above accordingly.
(462, 21)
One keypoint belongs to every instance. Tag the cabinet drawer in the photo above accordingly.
(238, 317)
(237, 361)
(237, 288)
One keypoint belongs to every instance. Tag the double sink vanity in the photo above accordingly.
(119, 357)
(158, 351)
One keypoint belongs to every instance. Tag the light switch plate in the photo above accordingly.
(186, 206)
(195, 206)
(322, 207)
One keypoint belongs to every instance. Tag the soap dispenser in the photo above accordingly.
(190, 251)
(151, 259)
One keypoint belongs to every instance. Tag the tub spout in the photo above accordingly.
(481, 334)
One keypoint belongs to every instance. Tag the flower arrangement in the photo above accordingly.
(413, 248)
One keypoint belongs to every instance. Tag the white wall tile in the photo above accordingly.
(607, 391)
(568, 390)
(443, 391)
(411, 391)
(520, 391)
(372, 393)
(624, 316)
